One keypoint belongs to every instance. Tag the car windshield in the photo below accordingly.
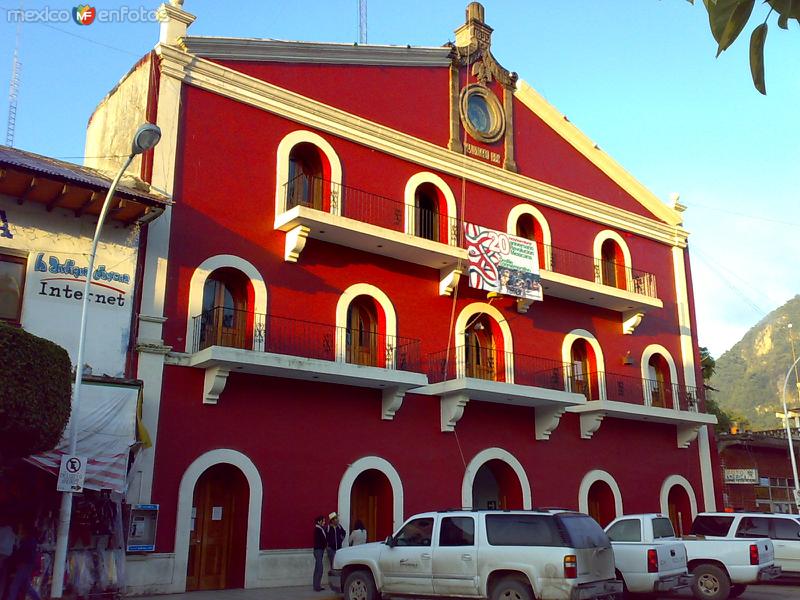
(662, 528)
(713, 525)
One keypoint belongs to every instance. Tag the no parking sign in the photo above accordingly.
(71, 474)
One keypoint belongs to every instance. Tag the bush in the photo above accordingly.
(35, 393)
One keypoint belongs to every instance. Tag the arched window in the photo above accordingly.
(224, 320)
(480, 354)
(612, 265)
(658, 384)
(426, 212)
(306, 178)
(583, 377)
(363, 332)
(529, 228)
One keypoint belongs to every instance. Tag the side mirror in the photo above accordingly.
(389, 541)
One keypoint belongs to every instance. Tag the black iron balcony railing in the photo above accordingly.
(324, 195)
(321, 194)
(234, 328)
(493, 365)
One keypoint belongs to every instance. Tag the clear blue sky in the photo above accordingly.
(637, 76)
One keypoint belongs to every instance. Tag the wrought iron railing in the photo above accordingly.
(325, 195)
(493, 365)
(234, 328)
(350, 202)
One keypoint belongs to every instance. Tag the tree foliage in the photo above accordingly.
(728, 18)
(35, 393)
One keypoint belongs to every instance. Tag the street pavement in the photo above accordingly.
(757, 592)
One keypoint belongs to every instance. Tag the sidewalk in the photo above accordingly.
(282, 593)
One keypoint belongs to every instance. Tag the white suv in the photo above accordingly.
(783, 529)
(483, 554)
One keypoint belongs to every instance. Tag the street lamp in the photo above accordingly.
(789, 437)
(145, 138)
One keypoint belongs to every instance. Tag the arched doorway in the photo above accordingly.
(659, 386)
(306, 182)
(584, 370)
(224, 320)
(363, 332)
(218, 530)
(496, 485)
(680, 509)
(426, 208)
(371, 502)
(601, 503)
(480, 352)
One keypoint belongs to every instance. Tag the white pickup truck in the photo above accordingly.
(723, 566)
(541, 554)
(648, 557)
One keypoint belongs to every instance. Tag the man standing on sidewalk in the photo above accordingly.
(320, 543)
(336, 536)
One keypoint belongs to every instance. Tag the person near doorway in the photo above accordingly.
(320, 543)
(358, 535)
(336, 536)
(26, 559)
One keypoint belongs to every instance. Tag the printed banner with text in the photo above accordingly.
(499, 262)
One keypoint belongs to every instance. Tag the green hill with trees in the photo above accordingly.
(749, 377)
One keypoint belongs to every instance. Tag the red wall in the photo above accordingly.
(770, 462)
(302, 435)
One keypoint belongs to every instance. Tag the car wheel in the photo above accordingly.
(710, 583)
(737, 590)
(359, 585)
(511, 589)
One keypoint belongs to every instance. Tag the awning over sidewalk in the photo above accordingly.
(107, 430)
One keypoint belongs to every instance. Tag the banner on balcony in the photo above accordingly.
(499, 262)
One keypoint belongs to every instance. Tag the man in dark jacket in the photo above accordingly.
(320, 543)
(335, 534)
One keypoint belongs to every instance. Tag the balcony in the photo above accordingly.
(350, 217)
(486, 375)
(228, 340)
(343, 215)
(588, 280)
(635, 399)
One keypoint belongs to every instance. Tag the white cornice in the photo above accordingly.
(232, 84)
(255, 49)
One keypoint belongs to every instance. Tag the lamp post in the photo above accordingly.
(146, 137)
(789, 437)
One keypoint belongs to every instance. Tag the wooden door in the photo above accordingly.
(480, 353)
(362, 334)
(211, 532)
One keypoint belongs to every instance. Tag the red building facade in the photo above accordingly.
(308, 338)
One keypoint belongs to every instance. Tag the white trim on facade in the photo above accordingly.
(464, 318)
(197, 283)
(687, 359)
(526, 209)
(342, 307)
(648, 353)
(285, 146)
(183, 519)
(229, 83)
(480, 459)
(590, 478)
(566, 357)
(667, 486)
(601, 237)
(412, 184)
(367, 463)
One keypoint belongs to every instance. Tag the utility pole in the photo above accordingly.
(794, 359)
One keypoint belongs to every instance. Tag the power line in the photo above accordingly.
(744, 215)
(718, 271)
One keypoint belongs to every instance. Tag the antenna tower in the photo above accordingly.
(362, 21)
(13, 92)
